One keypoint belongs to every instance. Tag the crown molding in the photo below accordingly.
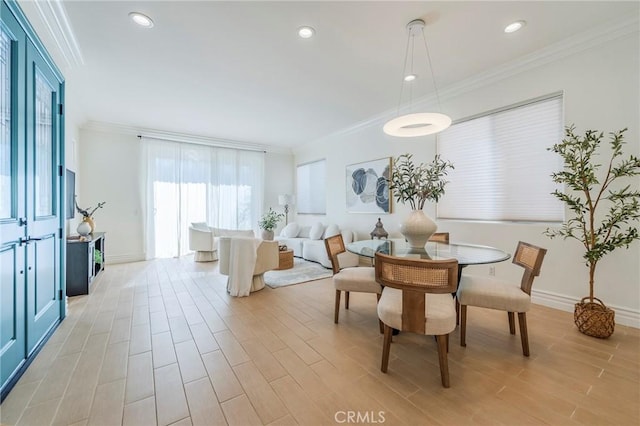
(54, 16)
(101, 126)
(567, 47)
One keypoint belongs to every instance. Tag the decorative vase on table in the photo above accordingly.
(417, 228)
(267, 235)
(85, 227)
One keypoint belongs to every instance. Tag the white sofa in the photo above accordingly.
(203, 240)
(307, 242)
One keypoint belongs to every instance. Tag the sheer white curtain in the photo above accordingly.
(197, 183)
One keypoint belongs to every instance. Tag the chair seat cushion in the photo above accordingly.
(440, 311)
(360, 279)
(493, 294)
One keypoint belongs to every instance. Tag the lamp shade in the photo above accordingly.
(286, 199)
(418, 124)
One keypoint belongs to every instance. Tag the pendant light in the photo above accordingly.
(423, 123)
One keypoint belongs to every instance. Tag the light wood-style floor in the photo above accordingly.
(161, 342)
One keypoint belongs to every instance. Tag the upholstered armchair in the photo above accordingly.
(245, 260)
(203, 242)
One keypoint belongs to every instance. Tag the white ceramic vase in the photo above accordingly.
(417, 228)
(84, 228)
(267, 235)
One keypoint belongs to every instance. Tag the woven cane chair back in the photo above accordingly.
(427, 276)
(530, 257)
(334, 246)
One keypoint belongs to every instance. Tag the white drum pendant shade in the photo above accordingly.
(418, 124)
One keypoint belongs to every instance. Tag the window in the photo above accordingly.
(311, 188)
(197, 183)
(502, 165)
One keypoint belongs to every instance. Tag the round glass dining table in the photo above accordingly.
(466, 254)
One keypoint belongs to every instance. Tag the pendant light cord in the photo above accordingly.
(404, 71)
(433, 77)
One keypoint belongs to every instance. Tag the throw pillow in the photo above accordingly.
(331, 231)
(316, 231)
(290, 231)
(303, 231)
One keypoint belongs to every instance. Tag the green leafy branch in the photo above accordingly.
(417, 184)
(580, 175)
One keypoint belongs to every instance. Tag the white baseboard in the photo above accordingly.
(123, 258)
(624, 316)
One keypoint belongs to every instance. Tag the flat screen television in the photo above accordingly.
(70, 210)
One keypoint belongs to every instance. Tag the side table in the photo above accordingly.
(286, 260)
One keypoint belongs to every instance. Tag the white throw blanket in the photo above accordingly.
(242, 262)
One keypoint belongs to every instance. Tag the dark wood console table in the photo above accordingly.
(83, 264)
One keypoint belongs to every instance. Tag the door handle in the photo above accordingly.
(27, 240)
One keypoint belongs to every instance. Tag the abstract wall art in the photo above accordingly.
(367, 188)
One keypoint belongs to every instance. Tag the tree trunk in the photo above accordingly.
(592, 273)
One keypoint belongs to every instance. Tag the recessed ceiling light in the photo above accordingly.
(306, 32)
(515, 26)
(410, 77)
(141, 19)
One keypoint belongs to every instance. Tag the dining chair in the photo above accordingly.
(417, 298)
(487, 292)
(357, 278)
(439, 237)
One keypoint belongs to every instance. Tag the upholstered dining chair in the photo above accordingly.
(440, 237)
(487, 292)
(358, 278)
(417, 298)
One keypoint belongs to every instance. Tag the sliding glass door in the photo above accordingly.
(197, 183)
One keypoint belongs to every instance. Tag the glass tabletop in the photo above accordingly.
(466, 254)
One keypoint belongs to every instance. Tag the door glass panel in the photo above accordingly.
(6, 193)
(43, 148)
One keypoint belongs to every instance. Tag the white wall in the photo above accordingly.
(110, 170)
(601, 92)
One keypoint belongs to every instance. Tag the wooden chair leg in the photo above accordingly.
(337, 308)
(457, 312)
(522, 321)
(442, 357)
(447, 343)
(386, 346)
(346, 300)
(463, 325)
(512, 322)
(380, 323)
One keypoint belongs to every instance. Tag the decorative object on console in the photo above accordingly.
(286, 200)
(415, 185)
(599, 233)
(367, 187)
(379, 231)
(416, 124)
(268, 222)
(87, 226)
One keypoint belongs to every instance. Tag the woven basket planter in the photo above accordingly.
(594, 319)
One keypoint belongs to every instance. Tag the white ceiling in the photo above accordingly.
(238, 71)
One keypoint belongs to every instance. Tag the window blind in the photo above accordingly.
(502, 165)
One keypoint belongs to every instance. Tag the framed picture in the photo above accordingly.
(367, 188)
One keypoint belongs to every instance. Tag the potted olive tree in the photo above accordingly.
(602, 212)
(268, 222)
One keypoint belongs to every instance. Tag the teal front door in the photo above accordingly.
(12, 200)
(43, 182)
(31, 206)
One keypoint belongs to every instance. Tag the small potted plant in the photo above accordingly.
(268, 222)
(586, 196)
(415, 185)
